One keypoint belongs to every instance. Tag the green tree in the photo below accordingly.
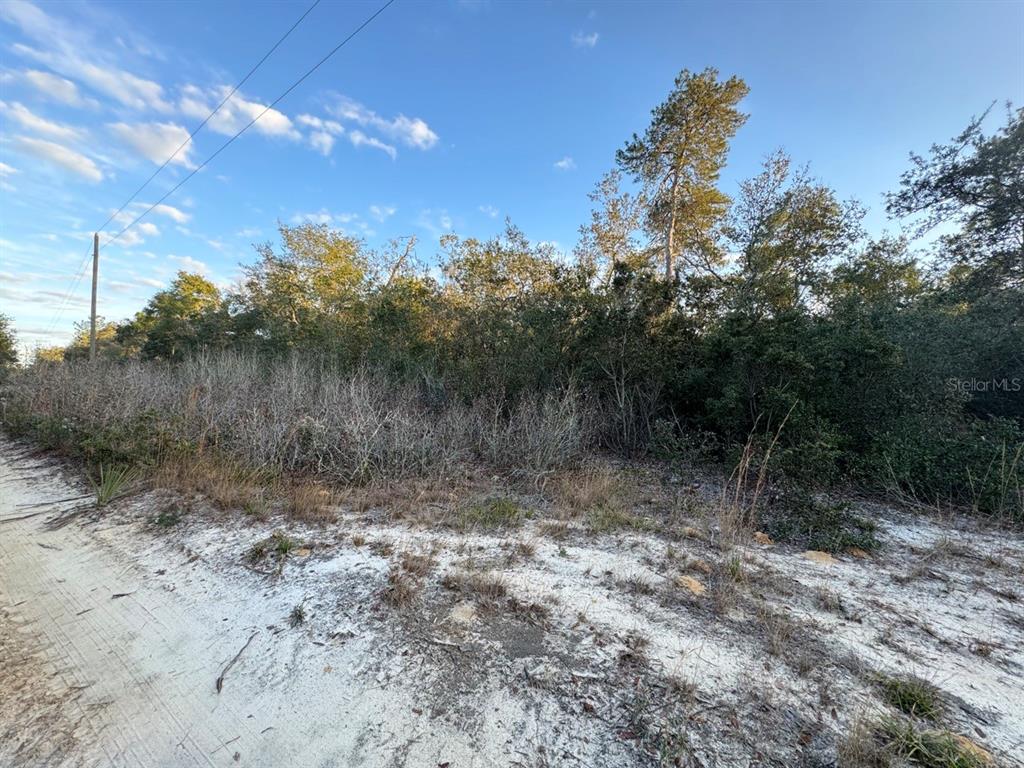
(787, 230)
(305, 293)
(8, 350)
(977, 183)
(678, 161)
(177, 321)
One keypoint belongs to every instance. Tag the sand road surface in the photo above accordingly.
(112, 647)
(619, 649)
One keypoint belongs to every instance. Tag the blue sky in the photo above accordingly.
(437, 117)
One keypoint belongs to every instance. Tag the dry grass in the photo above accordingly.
(304, 415)
(310, 502)
(486, 589)
(415, 564)
(225, 483)
(402, 590)
(593, 487)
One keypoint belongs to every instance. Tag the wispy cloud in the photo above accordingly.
(156, 141)
(61, 156)
(489, 210)
(436, 222)
(70, 51)
(54, 88)
(321, 137)
(189, 264)
(38, 125)
(360, 139)
(565, 164)
(410, 131)
(382, 212)
(175, 214)
(236, 113)
(584, 39)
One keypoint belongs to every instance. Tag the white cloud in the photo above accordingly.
(321, 137)
(584, 39)
(382, 212)
(149, 281)
(175, 214)
(411, 131)
(236, 113)
(565, 164)
(6, 170)
(359, 139)
(189, 264)
(56, 88)
(489, 210)
(73, 52)
(33, 122)
(147, 228)
(61, 156)
(156, 141)
(321, 217)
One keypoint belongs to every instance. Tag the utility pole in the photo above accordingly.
(95, 275)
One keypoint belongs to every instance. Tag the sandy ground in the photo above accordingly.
(615, 650)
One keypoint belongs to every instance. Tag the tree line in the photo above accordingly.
(695, 320)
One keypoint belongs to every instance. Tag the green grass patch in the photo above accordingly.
(491, 514)
(932, 748)
(608, 520)
(820, 525)
(913, 696)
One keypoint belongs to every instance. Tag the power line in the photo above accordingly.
(66, 298)
(270, 106)
(209, 116)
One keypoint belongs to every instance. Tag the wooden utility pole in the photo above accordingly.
(95, 275)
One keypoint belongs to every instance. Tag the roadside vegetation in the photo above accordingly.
(763, 331)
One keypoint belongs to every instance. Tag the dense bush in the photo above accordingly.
(683, 329)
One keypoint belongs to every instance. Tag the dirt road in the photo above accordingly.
(112, 643)
(576, 649)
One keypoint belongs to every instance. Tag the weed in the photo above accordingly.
(114, 482)
(829, 600)
(310, 503)
(636, 585)
(401, 589)
(554, 529)
(416, 564)
(861, 747)
(297, 617)
(488, 590)
(779, 630)
(490, 514)
(800, 518)
(277, 544)
(932, 748)
(912, 696)
(358, 540)
(167, 518)
(607, 520)
(591, 488)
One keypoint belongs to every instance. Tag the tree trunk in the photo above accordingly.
(671, 239)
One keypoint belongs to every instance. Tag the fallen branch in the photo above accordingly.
(220, 680)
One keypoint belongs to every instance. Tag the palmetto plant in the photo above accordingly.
(113, 482)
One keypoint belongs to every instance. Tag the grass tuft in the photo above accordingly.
(913, 696)
(114, 482)
(491, 514)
